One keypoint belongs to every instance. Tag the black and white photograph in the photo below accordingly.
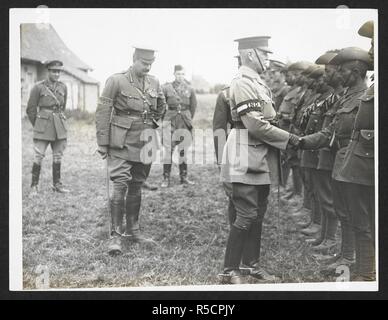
(202, 149)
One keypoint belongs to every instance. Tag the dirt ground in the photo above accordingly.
(66, 234)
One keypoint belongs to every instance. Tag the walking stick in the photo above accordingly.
(108, 195)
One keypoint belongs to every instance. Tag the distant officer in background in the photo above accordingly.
(357, 172)
(251, 110)
(354, 63)
(126, 118)
(45, 110)
(182, 103)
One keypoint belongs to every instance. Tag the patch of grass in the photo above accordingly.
(67, 233)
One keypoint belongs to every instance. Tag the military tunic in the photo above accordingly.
(338, 133)
(182, 103)
(358, 165)
(309, 158)
(45, 108)
(245, 157)
(126, 116)
(326, 155)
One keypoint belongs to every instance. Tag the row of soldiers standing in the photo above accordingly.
(329, 107)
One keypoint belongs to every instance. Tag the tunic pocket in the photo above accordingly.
(253, 157)
(365, 146)
(118, 131)
(41, 122)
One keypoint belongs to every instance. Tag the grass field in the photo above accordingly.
(67, 233)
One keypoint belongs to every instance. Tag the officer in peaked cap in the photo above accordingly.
(182, 104)
(130, 105)
(54, 65)
(251, 110)
(45, 110)
(353, 64)
(358, 173)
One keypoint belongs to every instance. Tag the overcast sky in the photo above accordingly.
(200, 39)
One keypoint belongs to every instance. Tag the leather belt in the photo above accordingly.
(178, 107)
(143, 115)
(52, 109)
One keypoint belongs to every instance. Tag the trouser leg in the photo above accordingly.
(245, 200)
(323, 191)
(231, 209)
(342, 210)
(40, 147)
(307, 202)
(251, 251)
(297, 180)
(362, 212)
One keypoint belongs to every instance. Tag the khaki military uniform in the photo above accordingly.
(126, 122)
(357, 172)
(246, 158)
(45, 110)
(182, 104)
(126, 116)
(337, 136)
(312, 122)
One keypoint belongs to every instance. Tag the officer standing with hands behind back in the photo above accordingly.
(182, 103)
(45, 108)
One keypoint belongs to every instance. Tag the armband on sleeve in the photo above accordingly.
(248, 106)
(105, 101)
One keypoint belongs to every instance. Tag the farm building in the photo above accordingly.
(40, 43)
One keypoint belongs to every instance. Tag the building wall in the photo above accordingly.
(73, 85)
(91, 97)
(29, 75)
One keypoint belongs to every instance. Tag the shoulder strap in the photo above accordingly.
(53, 95)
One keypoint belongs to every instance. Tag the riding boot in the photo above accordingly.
(132, 209)
(57, 184)
(183, 174)
(233, 254)
(35, 176)
(117, 213)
